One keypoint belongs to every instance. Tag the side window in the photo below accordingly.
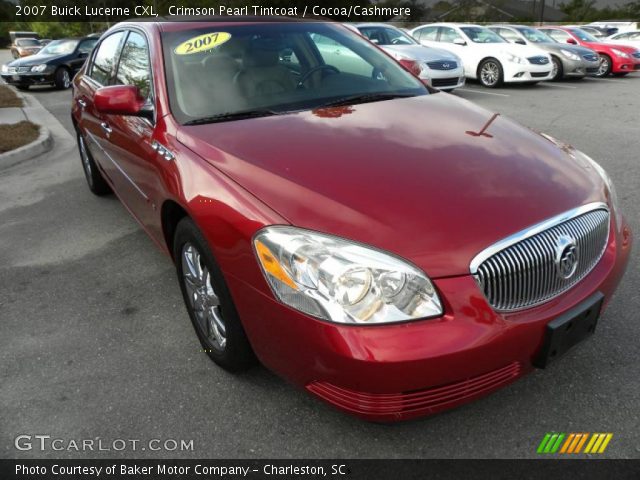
(87, 45)
(448, 35)
(374, 35)
(134, 68)
(105, 58)
(558, 35)
(508, 35)
(427, 33)
(340, 56)
(395, 37)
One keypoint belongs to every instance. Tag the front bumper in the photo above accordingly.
(578, 68)
(25, 79)
(518, 72)
(444, 79)
(395, 372)
(625, 65)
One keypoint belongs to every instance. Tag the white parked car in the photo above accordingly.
(630, 39)
(439, 68)
(486, 56)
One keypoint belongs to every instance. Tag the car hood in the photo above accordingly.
(429, 178)
(420, 53)
(36, 59)
(556, 47)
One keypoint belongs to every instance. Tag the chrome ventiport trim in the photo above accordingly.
(522, 270)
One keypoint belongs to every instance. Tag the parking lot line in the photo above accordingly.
(473, 90)
(556, 85)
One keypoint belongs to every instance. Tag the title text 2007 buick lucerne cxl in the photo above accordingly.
(394, 250)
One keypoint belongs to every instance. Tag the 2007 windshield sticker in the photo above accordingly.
(202, 43)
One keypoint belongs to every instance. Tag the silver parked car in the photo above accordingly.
(441, 69)
(568, 60)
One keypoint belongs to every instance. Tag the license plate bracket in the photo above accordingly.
(569, 329)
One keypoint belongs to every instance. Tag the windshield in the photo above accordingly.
(59, 47)
(536, 36)
(584, 36)
(482, 35)
(230, 70)
(387, 36)
(27, 42)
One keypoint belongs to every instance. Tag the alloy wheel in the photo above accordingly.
(554, 69)
(603, 68)
(490, 73)
(203, 300)
(66, 78)
(86, 162)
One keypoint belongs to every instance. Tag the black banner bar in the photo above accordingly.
(547, 469)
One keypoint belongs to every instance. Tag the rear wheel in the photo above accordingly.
(62, 78)
(95, 180)
(556, 69)
(605, 66)
(208, 300)
(490, 73)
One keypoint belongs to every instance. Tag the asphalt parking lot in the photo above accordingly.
(95, 341)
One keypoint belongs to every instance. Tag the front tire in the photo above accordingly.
(96, 182)
(490, 73)
(208, 301)
(62, 79)
(557, 71)
(605, 66)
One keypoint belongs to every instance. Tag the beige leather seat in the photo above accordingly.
(262, 75)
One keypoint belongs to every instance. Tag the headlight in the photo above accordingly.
(39, 68)
(515, 59)
(5, 69)
(620, 53)
(342, 281)
(613, 195)
(570, 55)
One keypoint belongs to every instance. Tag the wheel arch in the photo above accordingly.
(171, 213)
(484, 59)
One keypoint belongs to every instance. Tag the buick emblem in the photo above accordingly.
(566, 257)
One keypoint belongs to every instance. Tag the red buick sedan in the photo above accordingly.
(616, 59)
(394, 250)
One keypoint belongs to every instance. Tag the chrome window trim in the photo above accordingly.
(531, 231)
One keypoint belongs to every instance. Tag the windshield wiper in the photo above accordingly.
(224, 117)
(365, 98)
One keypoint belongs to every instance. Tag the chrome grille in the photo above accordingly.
(524, 269)
(442, 65)
(538, 60)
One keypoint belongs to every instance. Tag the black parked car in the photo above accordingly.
(55, 64)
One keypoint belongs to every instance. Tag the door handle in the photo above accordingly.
(107, 129)
(82, 103)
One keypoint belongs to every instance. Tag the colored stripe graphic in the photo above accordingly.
(572, 443)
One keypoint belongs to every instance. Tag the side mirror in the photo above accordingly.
(520, 42)
(119, 100)
(571, 41)
(459, 41)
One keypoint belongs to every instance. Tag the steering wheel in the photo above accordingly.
(395, 41)
(305, 76)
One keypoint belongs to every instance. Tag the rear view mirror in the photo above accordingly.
(119, 100)
(459, 41)
(520, 42)
(571, 41)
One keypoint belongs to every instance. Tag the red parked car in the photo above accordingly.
(394, 250)
(616, 59)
